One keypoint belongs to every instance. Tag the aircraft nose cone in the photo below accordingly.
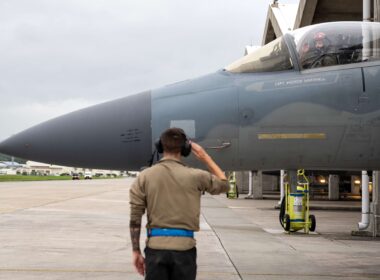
(112, 135)
(9, 146)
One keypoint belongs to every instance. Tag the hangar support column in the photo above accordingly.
(376, 12)
(375, 205)
(333, 187)
(355, 186)
(241, 180)
(257, 185)
(254, 181)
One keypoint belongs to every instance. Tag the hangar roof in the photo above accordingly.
(280, 19)
(284, 17)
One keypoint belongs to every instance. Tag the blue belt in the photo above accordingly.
(170, 232)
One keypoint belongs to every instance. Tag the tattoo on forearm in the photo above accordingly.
(135, 229)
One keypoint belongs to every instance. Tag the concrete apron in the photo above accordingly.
(262, 254)
(79, 230)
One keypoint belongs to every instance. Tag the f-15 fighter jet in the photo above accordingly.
(309, 99)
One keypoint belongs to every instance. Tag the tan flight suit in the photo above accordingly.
(171, 193)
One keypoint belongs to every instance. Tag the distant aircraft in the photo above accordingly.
(310, 99)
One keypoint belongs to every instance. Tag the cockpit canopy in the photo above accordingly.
(315, 46)
(274, 56)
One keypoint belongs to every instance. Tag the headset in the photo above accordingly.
(185, 149)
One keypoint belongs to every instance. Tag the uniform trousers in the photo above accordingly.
(170, 264)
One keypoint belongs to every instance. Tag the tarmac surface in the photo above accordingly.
(79, 230)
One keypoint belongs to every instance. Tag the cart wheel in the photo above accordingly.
(287, 222)
(313, 223)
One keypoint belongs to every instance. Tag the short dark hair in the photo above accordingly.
(173, 139)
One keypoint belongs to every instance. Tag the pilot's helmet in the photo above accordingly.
(319, 39)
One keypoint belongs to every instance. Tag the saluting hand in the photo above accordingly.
(203, 156)
(199, 152)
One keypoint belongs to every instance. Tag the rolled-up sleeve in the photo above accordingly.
(137, 200)
(211, 184)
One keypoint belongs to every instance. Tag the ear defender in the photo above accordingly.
(158, 145)
(186, 148)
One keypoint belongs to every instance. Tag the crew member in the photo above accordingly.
(317, 54)
(170, 191)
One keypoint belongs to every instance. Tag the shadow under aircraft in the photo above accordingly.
(309, 99)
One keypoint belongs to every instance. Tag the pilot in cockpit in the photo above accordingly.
(317, 53)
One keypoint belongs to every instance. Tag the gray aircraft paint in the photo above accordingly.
(323, 118)
(112, 135)
(211, 102)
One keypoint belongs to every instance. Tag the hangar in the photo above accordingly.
(282, 18)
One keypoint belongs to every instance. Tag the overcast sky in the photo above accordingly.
(61, 55)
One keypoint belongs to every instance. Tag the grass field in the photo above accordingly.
(15, 178)
(10, 178)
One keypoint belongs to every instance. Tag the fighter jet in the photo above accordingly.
(309, 99)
